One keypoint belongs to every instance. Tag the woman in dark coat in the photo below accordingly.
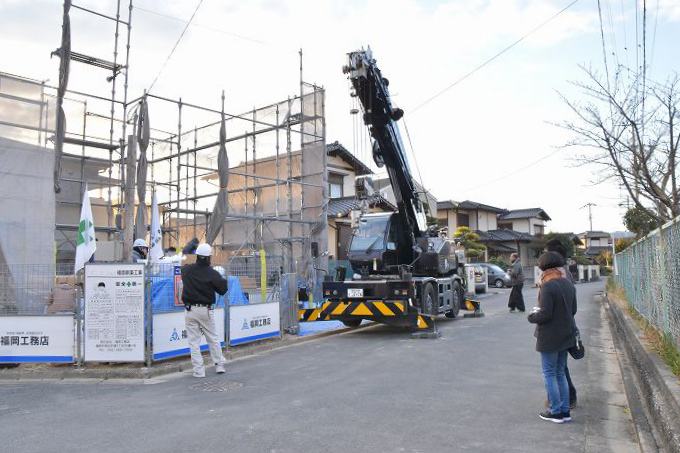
(554, 319)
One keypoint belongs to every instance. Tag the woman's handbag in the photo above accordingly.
(578, 351)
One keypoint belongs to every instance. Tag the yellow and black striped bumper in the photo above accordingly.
(339, 309)
(378, 311)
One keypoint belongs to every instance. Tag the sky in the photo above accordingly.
(491, 137)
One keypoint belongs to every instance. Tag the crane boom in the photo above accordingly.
(381, 117)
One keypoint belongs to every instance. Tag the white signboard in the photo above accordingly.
(114, 312)
(170, 334)
(36, 338)
(253, 322)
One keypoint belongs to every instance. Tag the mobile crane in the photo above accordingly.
(405, 274)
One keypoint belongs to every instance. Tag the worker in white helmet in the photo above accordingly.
(200, 283)
(140, 251)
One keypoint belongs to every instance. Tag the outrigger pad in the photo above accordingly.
(475, 307)
(474, 315)
(426, 327)
(426, 334)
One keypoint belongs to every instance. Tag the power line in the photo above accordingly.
(218, 30)
(507, 175)
(413, 153)
(200, 2)
(625, 34)
(604, 48)
(656, 23)
(495, 56)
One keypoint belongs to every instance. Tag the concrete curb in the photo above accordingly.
(657, 385)
(177, 365)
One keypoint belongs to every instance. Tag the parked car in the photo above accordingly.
(495, 275)
(480, 287)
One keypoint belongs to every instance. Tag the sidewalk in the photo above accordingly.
(609, 425)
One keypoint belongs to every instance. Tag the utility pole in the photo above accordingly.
(590, 213)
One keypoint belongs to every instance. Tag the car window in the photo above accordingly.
(496, 269)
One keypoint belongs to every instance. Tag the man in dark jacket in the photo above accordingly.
(554, 319)
(516, 301)
(200, 283)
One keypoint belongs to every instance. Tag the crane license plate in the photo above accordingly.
(355, 292)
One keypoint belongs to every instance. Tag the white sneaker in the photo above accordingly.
(219, 369)
(199, 375)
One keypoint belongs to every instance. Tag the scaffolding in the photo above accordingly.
(277, 187)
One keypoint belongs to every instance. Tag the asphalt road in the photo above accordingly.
(477, 388)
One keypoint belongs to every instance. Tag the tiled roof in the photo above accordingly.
(504, 236)
(446, 205)
(340, 207)
(595, 234)
(336, 149)
(474, 206)
(502, 248)
(468, 205)
(524, 214)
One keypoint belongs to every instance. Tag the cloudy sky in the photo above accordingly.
(489, 138)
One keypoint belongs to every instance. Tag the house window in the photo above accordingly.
(335, 185)
(463, 220)
(539, 230)
(504, 226)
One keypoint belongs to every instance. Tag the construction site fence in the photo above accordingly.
(53, 294)
(649, 271)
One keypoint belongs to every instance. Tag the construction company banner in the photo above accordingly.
(36, 338)
(253, 322)
(114, 312)
(170, 334)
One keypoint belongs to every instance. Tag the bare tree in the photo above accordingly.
(635, 136)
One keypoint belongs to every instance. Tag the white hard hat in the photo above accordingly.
(140, 243)
(204, 250)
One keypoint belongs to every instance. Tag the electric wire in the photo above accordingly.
(615, 46)
(512, 173)
(218, 30)
(604, 47)
(200, 2)
(495, 56)
(413, 153)
(644, 64)
(656, 23)
(625, 33)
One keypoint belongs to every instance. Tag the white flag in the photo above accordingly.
(85, 243)
(155, 234)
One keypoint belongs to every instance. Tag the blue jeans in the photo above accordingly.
(554, 364)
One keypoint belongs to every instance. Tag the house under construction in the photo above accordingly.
(244, 182)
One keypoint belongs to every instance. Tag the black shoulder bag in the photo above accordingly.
(577, 351)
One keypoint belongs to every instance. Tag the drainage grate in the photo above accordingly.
(221, 386)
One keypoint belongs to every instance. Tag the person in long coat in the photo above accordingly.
(555, 334)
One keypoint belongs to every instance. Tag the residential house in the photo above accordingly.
(531, 221)
(343, 168)
(503, 232)
(595, 242)
(476, 216)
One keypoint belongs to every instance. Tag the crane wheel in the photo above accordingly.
(428, 301)
(352, 322)
(457, 298)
